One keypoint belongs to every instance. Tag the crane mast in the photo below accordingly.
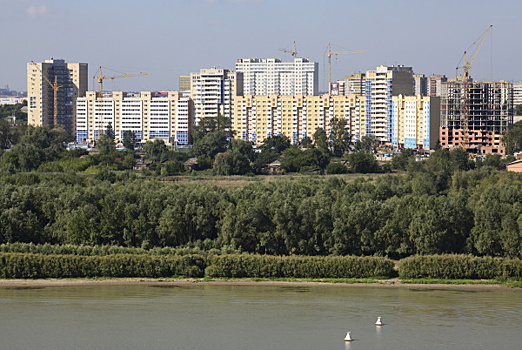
(465, 78)
(55, 87)
(329, 54)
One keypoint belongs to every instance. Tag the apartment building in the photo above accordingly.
(213, 92)
(272, 76)
(474, 115)
(435, 84)
(517, 93)
(420, 84)
(380, 85)
(351, 85)
(71, 82)
(149, 115)
(259, 117)
(415, 121)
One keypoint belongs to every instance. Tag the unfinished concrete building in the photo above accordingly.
(474, 115)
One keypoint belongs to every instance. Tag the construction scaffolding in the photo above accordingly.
(474, 115)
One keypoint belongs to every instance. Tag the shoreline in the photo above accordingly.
(54, 282)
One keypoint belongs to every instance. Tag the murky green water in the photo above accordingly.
(257, 317)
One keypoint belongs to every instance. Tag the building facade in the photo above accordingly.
(420, 85)
(474, 115)
(259, 117)
(149, 115)
(415, 121)
(213, 92)
(272, 76)
(380, 85)
(70, 81)
(435, 85)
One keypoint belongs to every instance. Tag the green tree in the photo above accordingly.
(106, 145)
(154, 150)
(513, 138)
(232, 163)
(368, 143)
(321, 139)
(210, 144)
(362, 162)
(336, 168)
(401, 160)
(277, 143)
(339, 137)
(129, 140)
(244, 147)
(295, 160)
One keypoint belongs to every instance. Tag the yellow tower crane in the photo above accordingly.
(465, 78)
(293, 52)
(54, 85)
(329, 54)
(466, 66)
(100, 78)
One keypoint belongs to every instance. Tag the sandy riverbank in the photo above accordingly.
(37, 283)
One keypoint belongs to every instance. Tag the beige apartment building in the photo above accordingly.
(71, 82)
(415, 121)
(149, 115)
(259, 117)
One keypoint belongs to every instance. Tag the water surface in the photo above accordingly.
(257, 317)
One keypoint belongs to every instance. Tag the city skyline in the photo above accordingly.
(167, 39)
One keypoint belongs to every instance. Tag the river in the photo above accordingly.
(257, 317)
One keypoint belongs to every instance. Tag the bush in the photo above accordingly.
(459, 267)
(267, 266)
(336, 168)
(19, 265)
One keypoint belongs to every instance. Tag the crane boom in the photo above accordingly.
(54, 85)
(329, 54)
(293, 52)
(100, 77)
(466, 81)
(466, 67)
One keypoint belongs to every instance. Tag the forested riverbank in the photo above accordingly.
(474, 212)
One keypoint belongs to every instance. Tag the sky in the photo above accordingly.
(169, 38)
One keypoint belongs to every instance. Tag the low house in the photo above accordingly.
(515, 166)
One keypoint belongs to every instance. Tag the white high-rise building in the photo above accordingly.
(381, 84)
(272, 76)
(71, 80)
(517, 93)
(213, 92)
(149, 115)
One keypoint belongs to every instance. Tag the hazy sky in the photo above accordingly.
(168, 38)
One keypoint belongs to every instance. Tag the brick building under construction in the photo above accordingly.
(474, 115)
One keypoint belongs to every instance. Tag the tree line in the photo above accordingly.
(436, 208)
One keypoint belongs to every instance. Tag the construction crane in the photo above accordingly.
(466, 67)
(466, 81)
(100, 78)
(329, 54)
(293, 52)
(54, 85)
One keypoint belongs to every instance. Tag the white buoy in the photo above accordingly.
(379, 322)
(348, 337)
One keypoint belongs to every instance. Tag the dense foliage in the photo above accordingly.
(459, 267)
(267, 266)
(430, 210)
(27, 265)
(18, 265)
